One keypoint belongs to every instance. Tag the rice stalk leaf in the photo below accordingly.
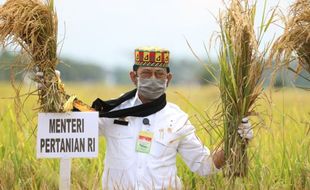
(241, 65)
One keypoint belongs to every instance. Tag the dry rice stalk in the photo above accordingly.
(32, 25)
(241, 81)
(296, 37)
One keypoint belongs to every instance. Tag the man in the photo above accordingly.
(144, 133)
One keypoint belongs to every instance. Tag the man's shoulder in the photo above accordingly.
(174, 110)
(174, 107)
(177, 118)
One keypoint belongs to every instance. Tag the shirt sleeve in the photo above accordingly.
(196, 156)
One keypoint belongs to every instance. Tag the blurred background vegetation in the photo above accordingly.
(185, 71)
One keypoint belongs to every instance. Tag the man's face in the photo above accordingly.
(150, 72)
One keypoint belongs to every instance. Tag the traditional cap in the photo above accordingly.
(152, 57)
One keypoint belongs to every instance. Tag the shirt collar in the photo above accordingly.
(136, 100)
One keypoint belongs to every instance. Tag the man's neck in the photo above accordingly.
(143, 99)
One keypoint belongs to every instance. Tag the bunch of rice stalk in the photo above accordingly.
(295, 41)
(32, 25)
(241, 81)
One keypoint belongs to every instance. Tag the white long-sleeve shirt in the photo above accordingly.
(125, 168)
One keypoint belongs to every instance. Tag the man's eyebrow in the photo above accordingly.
(163, 70)
(148, 70)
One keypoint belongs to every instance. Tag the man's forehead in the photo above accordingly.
(142, 68)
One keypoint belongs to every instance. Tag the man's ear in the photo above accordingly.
(133, 77)
(169, 78)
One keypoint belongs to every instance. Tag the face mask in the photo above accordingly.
(151, 88)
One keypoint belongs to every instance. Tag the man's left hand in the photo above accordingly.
(245, 129)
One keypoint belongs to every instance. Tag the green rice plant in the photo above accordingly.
(241, 81)
(279, 153)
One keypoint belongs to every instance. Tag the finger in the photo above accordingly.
(57, 73)
(39, 74)
(245, 120)
(243, 126)
(246, 133)
(241, 133)
(247, 126)
(39, 86)
(249, 135)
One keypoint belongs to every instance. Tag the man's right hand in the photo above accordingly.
(39, 78)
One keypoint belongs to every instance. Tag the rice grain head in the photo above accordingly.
(294, 43)
(32, 25)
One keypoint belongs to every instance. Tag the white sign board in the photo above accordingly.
(67, 135)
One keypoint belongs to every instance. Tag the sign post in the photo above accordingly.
(65, 136)
(65, 174)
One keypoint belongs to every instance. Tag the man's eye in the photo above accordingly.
(146, 74)
(160, 73)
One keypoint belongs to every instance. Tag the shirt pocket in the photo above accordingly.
(120, 142)
(163, 147)
(162, 163)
